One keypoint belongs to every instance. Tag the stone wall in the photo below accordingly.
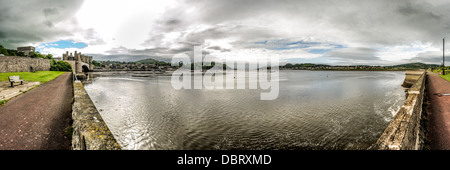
(90, 131)
(72, 64)
(403, 131)
(23, 64)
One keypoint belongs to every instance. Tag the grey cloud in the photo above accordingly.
(123, 57)
(160, 53)
(357, 24)
(429, 57)
(415, 10)
(369, 22)
(36, 20)
(359, 53)
(50, 11)
(217, 48)
(93, 37)
(352, 23)
(173, 22)
(117, 50)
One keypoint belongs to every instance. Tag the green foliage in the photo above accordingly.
(4, 51)
(2, 102)
(9, 52)
(39, 55)
(20, 53)
(49, 56)
(97, 64)
(60, 66)
(12, 52)
(289, 65)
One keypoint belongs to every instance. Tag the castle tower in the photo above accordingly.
(78, 63)
(91, 66)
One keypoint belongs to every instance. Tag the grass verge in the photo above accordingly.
(41, 76)
(2, 102)
(446, 76)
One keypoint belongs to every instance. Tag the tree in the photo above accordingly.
(96, 63)
(59, 66)
(20, 53)
(288, 65)
(4, 51)
(39, 55)
(49, 56)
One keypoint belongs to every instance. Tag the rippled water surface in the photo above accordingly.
(314, 110)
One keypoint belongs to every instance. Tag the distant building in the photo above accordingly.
(26, 50)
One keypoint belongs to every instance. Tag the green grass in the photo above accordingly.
(446, 76)
(2, 102)
(41, 76)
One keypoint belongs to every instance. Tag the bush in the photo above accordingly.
(37, 55)
(60, 66)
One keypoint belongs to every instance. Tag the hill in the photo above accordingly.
(148, 61)
(416, 65)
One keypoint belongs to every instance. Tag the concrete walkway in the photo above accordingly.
(36, 120)
(7, 92)
(438, 109)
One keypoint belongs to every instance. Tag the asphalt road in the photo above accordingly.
(37, 119)
(438, 109)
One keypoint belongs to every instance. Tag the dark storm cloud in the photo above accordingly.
(31, 22)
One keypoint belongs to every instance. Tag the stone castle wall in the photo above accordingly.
(23, 64)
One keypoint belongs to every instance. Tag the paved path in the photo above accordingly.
(438, 112)
(36, 120)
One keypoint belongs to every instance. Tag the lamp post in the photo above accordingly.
(443, 56)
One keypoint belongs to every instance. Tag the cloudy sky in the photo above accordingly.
(337, 32)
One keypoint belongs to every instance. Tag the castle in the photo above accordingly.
(78, 61)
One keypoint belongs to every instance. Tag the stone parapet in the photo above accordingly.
(90, 132)
(403, 131)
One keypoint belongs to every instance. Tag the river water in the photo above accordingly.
(314, 110)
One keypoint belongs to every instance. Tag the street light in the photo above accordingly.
(443, 56)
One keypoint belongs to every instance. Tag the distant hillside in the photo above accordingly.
(153, 61)
(148, 61)
(416, 65)
(289, 65)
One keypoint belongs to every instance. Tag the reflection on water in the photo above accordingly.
(314, 110)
